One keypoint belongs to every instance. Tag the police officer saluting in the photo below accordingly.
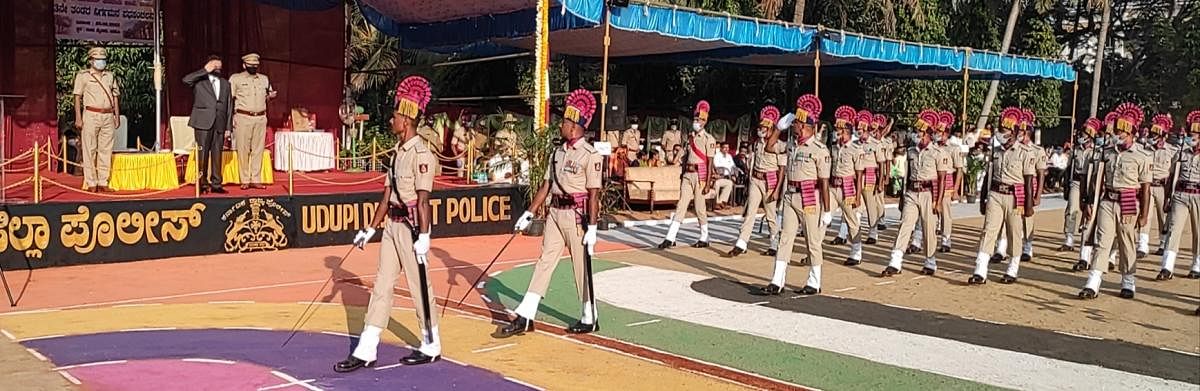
(97, 116)
(805, 196)
(573, 186)
(1124, 206)
(405, 216)
(1185, 202)
(764, 182)
(1008, 199)
(922, 193)
(698, 177)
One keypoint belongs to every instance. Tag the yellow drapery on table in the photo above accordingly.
(229, 168)
(143, 171)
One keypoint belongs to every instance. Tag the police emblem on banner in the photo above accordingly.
(255, 224)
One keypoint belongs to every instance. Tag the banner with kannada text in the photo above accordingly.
(129, 21)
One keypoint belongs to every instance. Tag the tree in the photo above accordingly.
(1105, 20)
(1004, 44)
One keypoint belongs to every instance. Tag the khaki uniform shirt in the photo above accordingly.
(1036, 152)
(413, 170)
(1189, 166)
(631, 139)
(871, 151)
(1081, 160)
(769, 160)
(1129, 169)
(849, 158)
(1163, 157)
(705, 143)
(92, 89)
(249, 91)
(809, 161)
(926, 163)
(576, 168)
(670, 139)
(1013, 165)
(958, 160)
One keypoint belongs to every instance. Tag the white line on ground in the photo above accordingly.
(232, 302)
(41, 337)
(70, 378)
(337, 334)
(523, 264)
(147, 329)
(136, 305)
(495, 273)
(834, 296)
(524, 383)
(210, 361)
(760, 303)
(91, 364)
(292, 380)
(247, 328)
(380, 368)
(7, 334)
(918, 277)
(485, 299)
(35, 354)
(29, 312)
(845, 289)
(1181, 352)
(1078, 335)
(288, 384)
(643, 323)
(889, 282)
(903, 307)
(318, 302)
(493, 348)
(984, 320)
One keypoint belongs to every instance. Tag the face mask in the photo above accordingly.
(1081, 141)
(673, 127)
(762, 133)
(914, 138)
(696, 126)
(1190, 141)
(253, 70)
(99, 64)
(215, 72)
(1001, 139)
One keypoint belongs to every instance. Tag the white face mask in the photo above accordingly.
(99, 64)
(697, 126)
(634, 126)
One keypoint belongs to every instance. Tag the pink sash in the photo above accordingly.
(849, 188)
(1019, 196)
(702, 165)
(772, 180)
(1129, 202)
(808, 195)
(870, 176)
(581, 200)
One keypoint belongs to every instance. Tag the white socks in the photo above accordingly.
(1127, 282)
(529, 305)
(1168, 260)
(931, 263)
(1070, 240)
(918, 235)
(981, 264)
(703, 233)
(1085, 254)
(431, 345)
(589, 313)
(775, 242)
(671, 232)
(842, 231)
(780, 273)
(874, 232)
(1002, 245)
(1027, 248)
(946, 241)
(1143, 243)
(856, 251)
(1014, 266)
(1196, 264)
(1093, 281)
(814, 277)
(741, 245)
(368, 343)
(897, 259)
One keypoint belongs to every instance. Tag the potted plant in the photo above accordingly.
(536, 147)
(975, 167)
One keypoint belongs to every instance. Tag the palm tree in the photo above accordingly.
(1005, 42)
(373, 54)
(1105, 20)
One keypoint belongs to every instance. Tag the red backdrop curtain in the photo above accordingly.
(27, 68)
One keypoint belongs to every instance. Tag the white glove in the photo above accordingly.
(364, 235)
(785, 122)
(589, 239)
(826, 218)
(421, 246)
(523, 221)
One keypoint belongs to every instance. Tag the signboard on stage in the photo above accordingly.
(59, 234)
(105, 20)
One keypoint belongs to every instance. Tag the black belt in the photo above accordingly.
(1004, 188)
(1079, 177)
(562, 202)
(920, 186)
(1158, 182)
(1189, 187)
(398, 213)
(251, 113)
(762, 176)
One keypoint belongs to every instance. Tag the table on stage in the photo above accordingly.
(230, 172)
(143, 171)
(311, 151)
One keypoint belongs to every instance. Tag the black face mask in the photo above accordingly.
(215, 72)
(253, 70)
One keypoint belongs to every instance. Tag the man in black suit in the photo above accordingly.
(212, 116)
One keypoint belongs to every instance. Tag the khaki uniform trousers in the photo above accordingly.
(946, 219)
(561, 231)
(395, 254)
(1185, 213)
(1072, 214)
(691, 189)
(918, 205)
(757, 196)
(873, 203)
(249, 133)
(96, 141)
(1110, 227)
(1157, 201)
(849, 214)
(724, 188)
(794, 219)
(1002, 216)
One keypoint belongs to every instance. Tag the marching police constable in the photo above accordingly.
(1104, 153)
(250, 90)
(952, 179)
(922, 195)
(97, 116)
(573, 187)
(1163, 155)
(764, 182)
(1185, 203)
(849, 162)
(1041, 162)
(1009, 199)
(1124, 206)
(860, 137)
(875, 178)
(698, 177)
(404, 215)
(888, 149)
(804, 196)
(1081, 157)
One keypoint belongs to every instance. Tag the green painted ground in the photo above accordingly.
(763, 356)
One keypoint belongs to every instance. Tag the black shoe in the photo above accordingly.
(666, 244)
(583, 328)
(976, 280)
(351, 364)
(1141, 254)
(871, 241)
(889, 271)
(837, 242)
(1081, 266)
(1126, 293)
(700, 245)
(943, 249)
(219, 190)
(881, 227)
(770, 252)
(1112, 266)
(927, 271)
(808, 290)
(1066, 248)
(1164, 275)
(1026, 258)
(734, 252)
(418, 358)
(1194, 275)
(519, 326)
(852, 262)
(997, 258)
(802, 262)
(1007, 279)
(1159, 251)
(1087, 294)
(769, 290)
(912, 250)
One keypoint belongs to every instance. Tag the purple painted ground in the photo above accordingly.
(307, 356)
(173, 374)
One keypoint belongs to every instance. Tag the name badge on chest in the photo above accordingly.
(571, 167)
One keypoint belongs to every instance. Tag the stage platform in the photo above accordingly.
(68, 226)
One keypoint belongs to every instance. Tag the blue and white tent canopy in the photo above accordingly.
(643, 32)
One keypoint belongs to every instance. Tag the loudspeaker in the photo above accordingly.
(615, 115)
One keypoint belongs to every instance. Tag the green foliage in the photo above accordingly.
(537, 145)
(134, 79)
